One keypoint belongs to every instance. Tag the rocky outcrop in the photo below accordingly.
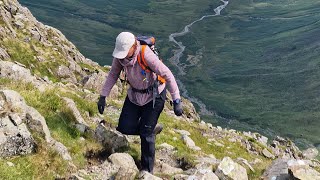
(128, 169)
(19, 19)
(310, 153)
(299, 169)
(13, 103)
(15, 138)
(111, 139)
(144, 175)
(16, 71)
(187, 140)
(3, 54)
(81, 125)
(228, 169)
(278, 169)
(96, 80)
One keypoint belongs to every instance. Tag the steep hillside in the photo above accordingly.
(50, 127)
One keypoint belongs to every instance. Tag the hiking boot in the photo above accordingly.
(158, 129)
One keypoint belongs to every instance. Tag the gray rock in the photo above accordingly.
(33, 119)
(298, 169)
(13, 71)
(181, 177)
(230, 170)
(63, 71)
(105, 170)
(61, 149)
(206, 162)
(278, 170)
(3, 54)
(126, 163)
(10, 164)
(183, 132)
(190, 143)
(246, 163)
(15, 139)
(165, 168)
(204, 175)
(95, 82)
(125, 174)
(144, 175)
(267, 154)
(81, 125)
(111, 139)
(310, 153)
(35, 34)
(19, 24)
(167, 146)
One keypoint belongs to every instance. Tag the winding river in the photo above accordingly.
(179, 52)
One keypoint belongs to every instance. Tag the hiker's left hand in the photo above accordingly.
(101, 104)
(177, 107)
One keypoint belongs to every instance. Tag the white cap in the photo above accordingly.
(124, 42)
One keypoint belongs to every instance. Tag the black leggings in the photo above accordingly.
(141, 120)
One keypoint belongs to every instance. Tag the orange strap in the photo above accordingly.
(143, 63)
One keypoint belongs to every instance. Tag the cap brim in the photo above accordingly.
(119, 54)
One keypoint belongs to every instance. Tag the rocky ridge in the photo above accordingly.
(48, 91)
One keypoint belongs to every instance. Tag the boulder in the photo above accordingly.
(190, 143)
(14, 71)
(229, 170)
(278, 170)
(165, 168)
(111, 139)
(3, 54)
(125, 174)
(144, 175)
(183, 132)
(128, 168)
(13, 102)
(66, 74)
(15, 139)
(310, 153)
(298, 169)
(96, 80)
(106, 170)
(267, 154)
(81, 125)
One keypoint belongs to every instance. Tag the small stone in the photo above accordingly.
(166, 146)
(267, 154)
(10, 164)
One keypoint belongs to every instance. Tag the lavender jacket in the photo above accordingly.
(138, 80)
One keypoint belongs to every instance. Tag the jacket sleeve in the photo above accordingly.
(161, 69)
(111, 78)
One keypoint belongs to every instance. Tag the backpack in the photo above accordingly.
(144, 42)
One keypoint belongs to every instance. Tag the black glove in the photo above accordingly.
(177, 107)
(101, 104)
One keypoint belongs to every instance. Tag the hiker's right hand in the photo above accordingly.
(177, 107)
(101, 104)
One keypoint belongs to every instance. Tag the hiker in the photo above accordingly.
(146, 95)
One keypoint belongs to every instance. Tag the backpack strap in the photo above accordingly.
(143, 63)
